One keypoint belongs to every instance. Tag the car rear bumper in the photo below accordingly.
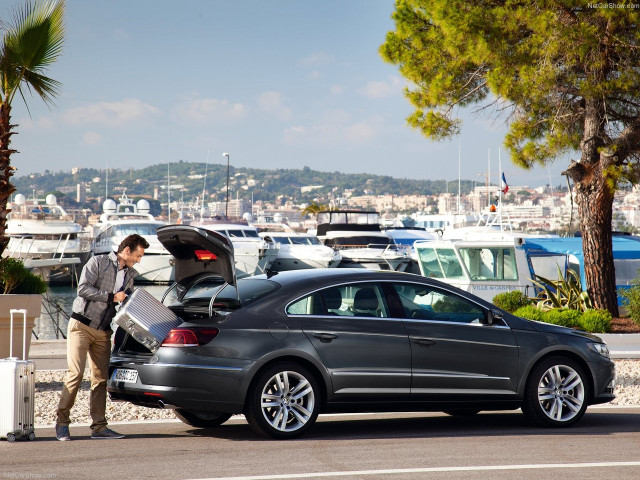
(187, 386)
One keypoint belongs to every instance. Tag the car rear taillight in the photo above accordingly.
(189, 337)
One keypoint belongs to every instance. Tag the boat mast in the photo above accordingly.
(204, 186)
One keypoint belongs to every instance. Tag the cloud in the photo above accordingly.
(316, 59)
(336, 90)
(335, 128)
(111, 114)
(204, 110)
(42, 123)
(273, 104)
(383, 89)
(121, 35)
(92, 138)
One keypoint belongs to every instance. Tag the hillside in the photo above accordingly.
(187, 179)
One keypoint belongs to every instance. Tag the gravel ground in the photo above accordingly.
(49, 386)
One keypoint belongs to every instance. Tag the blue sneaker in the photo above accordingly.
(62, 433)
(107, 433)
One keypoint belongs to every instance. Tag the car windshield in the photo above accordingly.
(199, 292)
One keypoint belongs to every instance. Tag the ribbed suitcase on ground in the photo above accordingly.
(146, 319)
(17, 391)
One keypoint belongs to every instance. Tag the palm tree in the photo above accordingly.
(316, 207)
(31, 43)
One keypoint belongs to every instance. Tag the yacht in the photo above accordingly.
(357, 236)
(298, 251)
(253, 255)
(489, 262)
(405, 239)
(125, 218)
(45, 238)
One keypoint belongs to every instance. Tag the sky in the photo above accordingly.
(274, 83)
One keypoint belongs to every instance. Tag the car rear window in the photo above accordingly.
(250, 289)
(200, 292)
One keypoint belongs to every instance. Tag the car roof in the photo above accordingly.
(294, 282)
(321, 276)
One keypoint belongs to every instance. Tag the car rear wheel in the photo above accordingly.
(556, 393)
(283, 401)
(201, 419)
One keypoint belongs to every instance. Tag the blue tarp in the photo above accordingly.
(624, 247)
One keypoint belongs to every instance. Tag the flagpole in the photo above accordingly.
(459, 173)
(500, 187)
(489, 178)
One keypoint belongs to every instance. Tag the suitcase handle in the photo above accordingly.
(24, 332)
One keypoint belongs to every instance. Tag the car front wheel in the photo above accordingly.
(283, 401)
(556, 393)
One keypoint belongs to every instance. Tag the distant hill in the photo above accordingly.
(187, 179)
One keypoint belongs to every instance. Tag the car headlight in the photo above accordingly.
(600, 348)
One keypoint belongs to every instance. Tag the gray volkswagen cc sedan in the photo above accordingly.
(282, 348)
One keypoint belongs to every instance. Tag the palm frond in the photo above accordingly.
(30, 45)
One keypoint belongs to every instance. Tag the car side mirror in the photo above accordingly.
(493, 317)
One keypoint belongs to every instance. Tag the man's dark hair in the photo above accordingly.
(133, 241)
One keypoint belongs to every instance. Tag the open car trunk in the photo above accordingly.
(204, 264)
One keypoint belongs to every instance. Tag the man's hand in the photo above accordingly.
(119, 297)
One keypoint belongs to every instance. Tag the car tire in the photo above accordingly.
(283, 401)
(202, 420)
(557, 392)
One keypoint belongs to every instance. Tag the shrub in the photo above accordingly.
(511, 301)
(631, 300)
(530, 312)
(562, 317)
(16, 278)
(562, 293)
(596, 321)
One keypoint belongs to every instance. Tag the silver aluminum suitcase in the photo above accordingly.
(146, 319)
(17, 390)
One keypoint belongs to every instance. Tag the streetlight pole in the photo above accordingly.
(226, 207)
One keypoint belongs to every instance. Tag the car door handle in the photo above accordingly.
(325, 337)
(424, 341)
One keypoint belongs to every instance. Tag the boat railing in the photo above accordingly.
(18, 252)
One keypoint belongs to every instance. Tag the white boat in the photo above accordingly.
(490, 262)
(359, 239)
(125, 218)
(45, 238)
(253, 254)
(405, 239)
(298, 251)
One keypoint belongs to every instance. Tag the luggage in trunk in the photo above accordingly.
(17, 390)
(146, 319)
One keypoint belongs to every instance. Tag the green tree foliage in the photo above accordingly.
(564, 75)
(30, 44)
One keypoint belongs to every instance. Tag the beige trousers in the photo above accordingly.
(83, 340)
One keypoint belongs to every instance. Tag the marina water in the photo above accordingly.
(57, 306)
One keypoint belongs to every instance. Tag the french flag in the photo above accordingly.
(505, 186)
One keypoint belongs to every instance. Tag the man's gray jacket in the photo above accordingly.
(94, 304)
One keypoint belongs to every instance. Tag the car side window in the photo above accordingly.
(427, 303)
(352, 300)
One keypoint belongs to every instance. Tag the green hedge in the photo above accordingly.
(593, 321)
(511, 301)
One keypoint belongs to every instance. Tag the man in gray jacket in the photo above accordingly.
(106, 280)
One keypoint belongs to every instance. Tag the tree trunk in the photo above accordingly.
(6, 170)
(594, 196)
(595, 205)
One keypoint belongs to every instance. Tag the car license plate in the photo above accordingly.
(126, 376)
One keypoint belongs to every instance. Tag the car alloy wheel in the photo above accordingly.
(202, 420)
(556, 393)
(283, 402)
